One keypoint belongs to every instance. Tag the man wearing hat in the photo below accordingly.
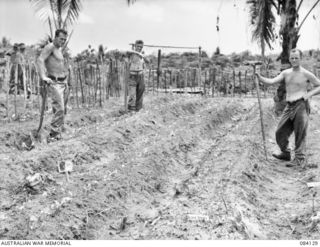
(16, 62)
(22, 49)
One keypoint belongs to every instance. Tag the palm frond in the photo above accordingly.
(129, 2)
(73, 11)
(262, 21)
(42, 8)
(54, 15)
(61, 12)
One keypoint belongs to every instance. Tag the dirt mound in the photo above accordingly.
(182, 168)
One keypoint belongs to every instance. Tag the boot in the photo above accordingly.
(302, 163)
(282, 156)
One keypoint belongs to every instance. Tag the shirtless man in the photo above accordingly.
(53, 71)
(295, 116)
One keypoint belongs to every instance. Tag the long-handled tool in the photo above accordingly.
(43, 106)
(254, 64)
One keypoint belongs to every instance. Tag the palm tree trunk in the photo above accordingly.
(289, 31)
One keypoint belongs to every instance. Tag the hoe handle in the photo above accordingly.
(43, 105)
(261, 112)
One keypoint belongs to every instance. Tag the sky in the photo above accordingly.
(187, 23)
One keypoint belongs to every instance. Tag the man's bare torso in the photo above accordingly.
(136, 63)
(55, 63)
(296, 84)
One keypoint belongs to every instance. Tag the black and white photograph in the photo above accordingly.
(154, 120)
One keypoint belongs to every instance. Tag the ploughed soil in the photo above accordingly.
(184, 167)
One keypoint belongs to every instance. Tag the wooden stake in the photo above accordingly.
(158, 70)
(240, 83)
(108, 74)
(204, 83)
(100, 86)
(15, 90)
(88, 81)
(199, 67)
(185, 81)
(81, 86)
(24, 86)
(261, 112)
(213, 80)
(77, 85)
(245, 81)
(126, 82)
(234, 81)
(153, 82)
(165, 81)
(149, 80)
(8, 89)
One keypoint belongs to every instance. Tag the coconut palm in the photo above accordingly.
(131, 2)
(262, 20)
(58, 13)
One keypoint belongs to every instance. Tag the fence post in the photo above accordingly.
(99, 81)
(126, 87)
(23, 70)
(8, 88)
(37, 79)
(234, 81)
(165, 81)
(213, 80)
(240, 92)
(77, 82)
(199, 65)
(204, 83)
(158, 70)
(15, 89)
(185, 81)
(220, 82)
(95, 85)
(81, 85)
(245, 81)
(149, 80)
(108, 75)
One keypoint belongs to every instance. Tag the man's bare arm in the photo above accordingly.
(45, 53)
(270, 81)
(315, 82)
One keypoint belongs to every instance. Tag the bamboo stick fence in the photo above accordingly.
(92, 84)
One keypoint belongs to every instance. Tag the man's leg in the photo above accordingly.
(300, 130)
(12, 79)
(57, 92)
(132, 85)
(66, 93)
(139, 92)
(283, 132)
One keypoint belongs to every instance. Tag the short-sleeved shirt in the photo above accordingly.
(16, 58)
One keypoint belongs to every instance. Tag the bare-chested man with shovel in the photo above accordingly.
(53, 71)
(295, 116)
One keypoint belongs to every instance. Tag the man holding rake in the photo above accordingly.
(295, 116)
